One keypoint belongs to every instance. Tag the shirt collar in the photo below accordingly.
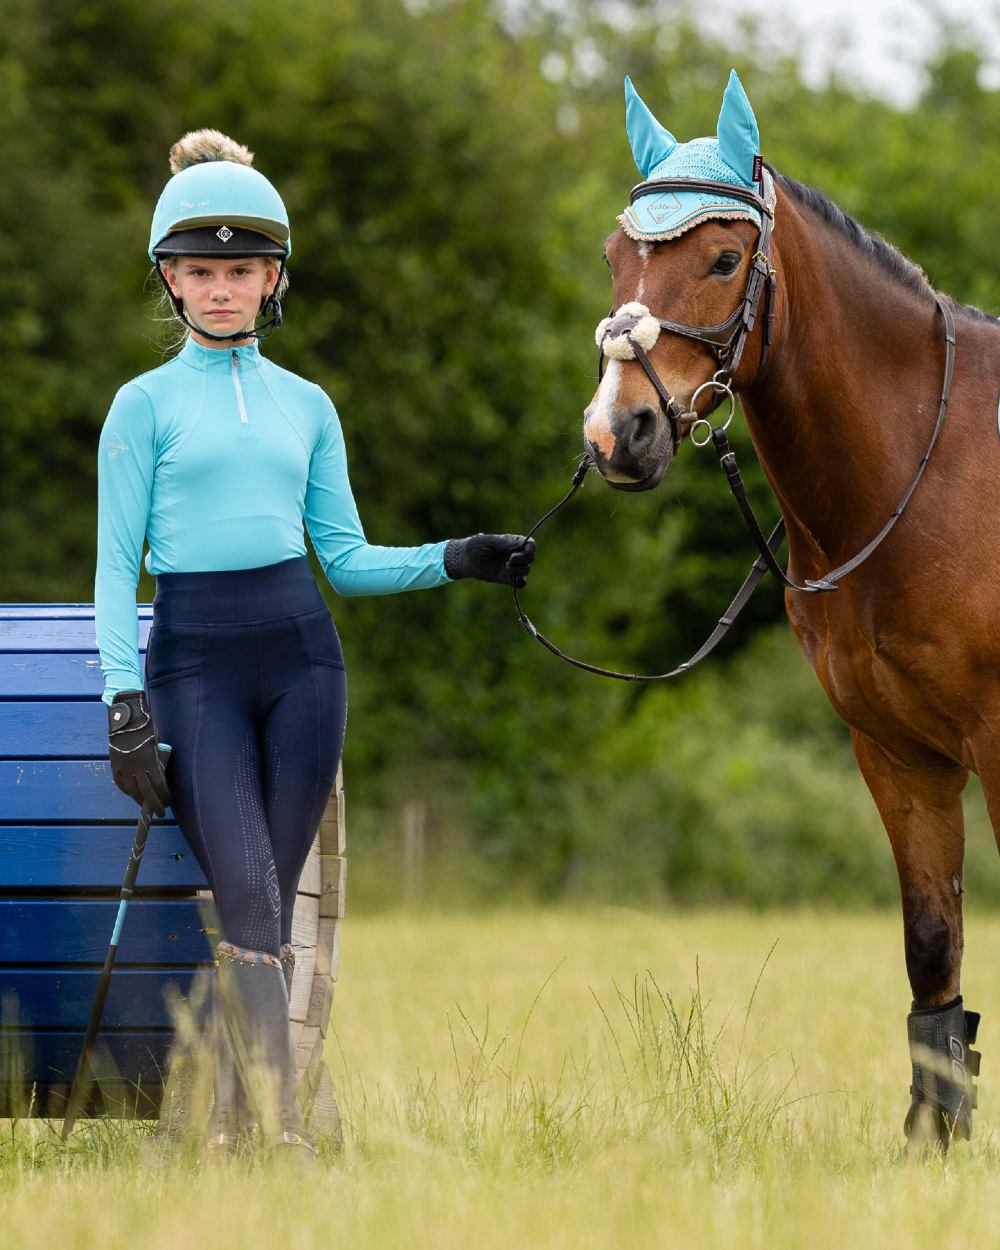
(205, 358)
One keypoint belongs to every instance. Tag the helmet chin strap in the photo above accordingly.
(264, 331)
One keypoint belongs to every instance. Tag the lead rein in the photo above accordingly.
(743, 596)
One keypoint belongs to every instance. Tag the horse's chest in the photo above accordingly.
(878, 681)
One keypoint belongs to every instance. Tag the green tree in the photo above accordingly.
(451, 170)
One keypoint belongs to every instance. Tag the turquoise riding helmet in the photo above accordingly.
(223, 207)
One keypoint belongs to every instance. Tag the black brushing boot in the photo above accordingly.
(943, 1067)
(256, 1012)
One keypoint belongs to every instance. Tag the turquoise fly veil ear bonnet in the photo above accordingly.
(732, 156)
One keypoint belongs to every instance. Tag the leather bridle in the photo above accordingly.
(727, 342)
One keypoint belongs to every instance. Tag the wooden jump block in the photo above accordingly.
(308, 1046)
(309, 882)
(335, 952)
(333, 826)
(305, 928)
(305, 965)
(328, 947)
(320, 1002)
(324, 1114)
(333, 885)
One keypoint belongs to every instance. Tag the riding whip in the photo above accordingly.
(97, 1008)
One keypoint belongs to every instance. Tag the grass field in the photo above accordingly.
(577, 1079)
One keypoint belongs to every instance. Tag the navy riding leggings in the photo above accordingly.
(246, 682)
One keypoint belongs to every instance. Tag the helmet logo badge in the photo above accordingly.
(225, 234)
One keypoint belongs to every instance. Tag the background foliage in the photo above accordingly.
(451, 168)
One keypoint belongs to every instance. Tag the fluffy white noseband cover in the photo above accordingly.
(645, 331)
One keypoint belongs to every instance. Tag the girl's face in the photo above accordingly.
(222, 295)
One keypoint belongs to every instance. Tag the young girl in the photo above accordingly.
(216, 459)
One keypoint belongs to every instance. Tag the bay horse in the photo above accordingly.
(843, 379)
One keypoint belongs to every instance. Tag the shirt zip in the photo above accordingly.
(239, 389)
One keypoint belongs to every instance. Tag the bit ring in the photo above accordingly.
(713, 384)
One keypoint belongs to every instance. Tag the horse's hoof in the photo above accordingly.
(927, 1131)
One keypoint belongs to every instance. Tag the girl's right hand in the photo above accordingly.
(135, 761)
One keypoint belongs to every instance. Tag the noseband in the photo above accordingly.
(632, 333)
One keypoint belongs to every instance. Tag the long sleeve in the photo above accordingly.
(352, 565)
(125, 463)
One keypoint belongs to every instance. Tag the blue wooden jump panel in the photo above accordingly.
(94, 857)
(159, 931)
(65, 835)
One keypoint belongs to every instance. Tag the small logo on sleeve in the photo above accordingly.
(115, 446)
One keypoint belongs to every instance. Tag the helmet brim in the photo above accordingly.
(221, 240)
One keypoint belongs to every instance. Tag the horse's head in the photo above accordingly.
(689, 266)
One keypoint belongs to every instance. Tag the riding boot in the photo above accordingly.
(943, 1067)
(232, 1118)
(287, 956)
(256, 1013)
(222, 1140)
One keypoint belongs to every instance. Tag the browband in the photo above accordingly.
(712, 187)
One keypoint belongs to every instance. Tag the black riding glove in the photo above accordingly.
(132, 746)
(503, 558)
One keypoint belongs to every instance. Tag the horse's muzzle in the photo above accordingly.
(642, 447)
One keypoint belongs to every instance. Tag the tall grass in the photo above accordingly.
(661, 1070)
(596, 1078)
(663, 1067)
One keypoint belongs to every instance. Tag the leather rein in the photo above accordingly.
(727, 341)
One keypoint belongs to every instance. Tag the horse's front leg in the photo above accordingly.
(920, 802)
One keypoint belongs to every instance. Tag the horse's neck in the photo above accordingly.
(844, 411)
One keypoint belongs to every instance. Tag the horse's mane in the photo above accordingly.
(887, 257)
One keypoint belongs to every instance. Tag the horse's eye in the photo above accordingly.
(728, 262)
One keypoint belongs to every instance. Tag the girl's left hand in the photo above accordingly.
(503, 558)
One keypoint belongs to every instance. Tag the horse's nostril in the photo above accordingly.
(638, 429)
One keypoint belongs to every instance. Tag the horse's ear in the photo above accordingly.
(739, 138)
(651, 142)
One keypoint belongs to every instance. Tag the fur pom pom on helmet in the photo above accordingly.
(199, 146)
